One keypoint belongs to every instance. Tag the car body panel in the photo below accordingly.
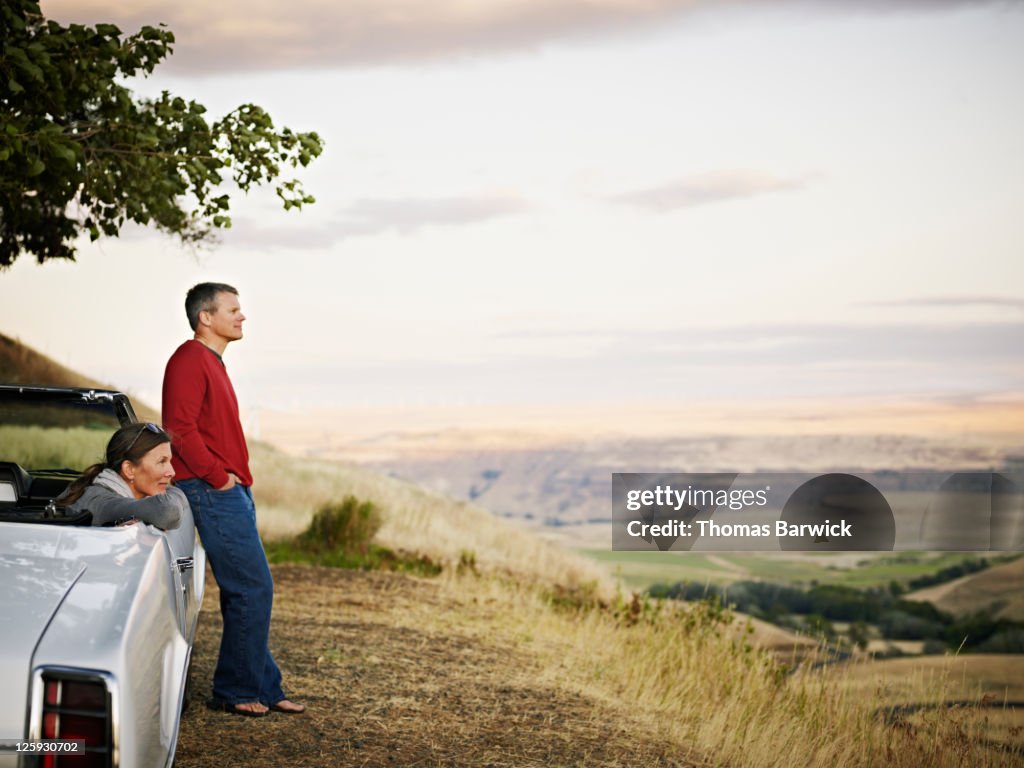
(116, 604)
(33, 589)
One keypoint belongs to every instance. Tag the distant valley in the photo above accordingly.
(566, 482)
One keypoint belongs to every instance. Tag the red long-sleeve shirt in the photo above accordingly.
(200, 412)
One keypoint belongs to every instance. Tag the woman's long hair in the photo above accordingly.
(129, 443)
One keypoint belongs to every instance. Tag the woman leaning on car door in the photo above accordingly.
(133, 484)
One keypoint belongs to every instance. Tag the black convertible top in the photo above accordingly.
(106, 401)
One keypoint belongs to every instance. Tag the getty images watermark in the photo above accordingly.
(762, 511)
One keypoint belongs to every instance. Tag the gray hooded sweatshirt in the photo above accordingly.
(110, 499)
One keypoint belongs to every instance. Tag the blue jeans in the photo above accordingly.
(226, 521)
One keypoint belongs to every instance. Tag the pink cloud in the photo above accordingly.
(253, 35)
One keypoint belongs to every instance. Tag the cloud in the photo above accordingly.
(233, 35)
(254, 236)
(723, 362)
(997, 302)
(259, 35)
(407, 215)
(374, 216)
(941, 345)
(717, 187)
(814, 359)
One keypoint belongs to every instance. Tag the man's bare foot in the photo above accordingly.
(243, 708)
(252, 706)
(286, 707)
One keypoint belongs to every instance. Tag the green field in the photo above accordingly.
(639, 570)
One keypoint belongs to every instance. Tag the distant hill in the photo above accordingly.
(20, 364)
(999, 590)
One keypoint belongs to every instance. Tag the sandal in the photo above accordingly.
(219, 705)
(295, 709)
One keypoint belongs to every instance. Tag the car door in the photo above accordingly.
(188, 569)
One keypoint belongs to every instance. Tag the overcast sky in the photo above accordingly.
(553, 200)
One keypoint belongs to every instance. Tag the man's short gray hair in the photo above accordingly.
(203, 298)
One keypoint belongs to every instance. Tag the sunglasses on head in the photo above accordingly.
(146, 427)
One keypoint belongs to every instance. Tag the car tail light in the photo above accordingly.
(77, 707)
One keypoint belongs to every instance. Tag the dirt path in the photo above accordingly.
(397, 673)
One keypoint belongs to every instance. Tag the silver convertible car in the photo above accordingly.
(98, 622)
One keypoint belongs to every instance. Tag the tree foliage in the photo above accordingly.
(823, 603)
(80, 154)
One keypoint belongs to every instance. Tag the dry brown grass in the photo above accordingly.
(999, 589)
(705, 687)
(982, 694)
(399, 671)
(20, 364)
(289, 490)
(481, 670)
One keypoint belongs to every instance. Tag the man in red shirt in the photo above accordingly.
(211, 460)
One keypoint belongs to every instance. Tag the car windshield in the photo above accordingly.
(47, 431)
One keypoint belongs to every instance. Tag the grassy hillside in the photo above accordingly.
(999, 589)
(288, 491)
(20, 364)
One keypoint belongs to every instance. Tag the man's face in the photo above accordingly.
(226, 319)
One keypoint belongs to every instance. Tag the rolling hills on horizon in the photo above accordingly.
(999, 589)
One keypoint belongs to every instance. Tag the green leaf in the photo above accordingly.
(65, 153)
